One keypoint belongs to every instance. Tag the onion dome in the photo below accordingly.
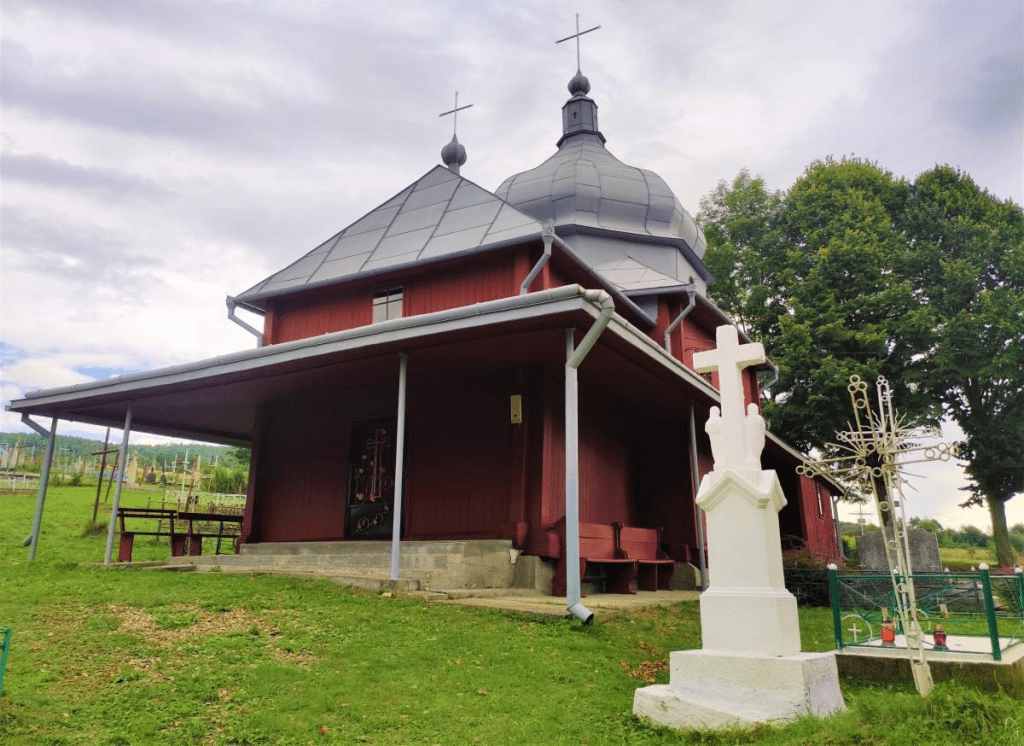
(453, 155)
(587, 191)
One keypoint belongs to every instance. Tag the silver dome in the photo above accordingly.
(583, 184)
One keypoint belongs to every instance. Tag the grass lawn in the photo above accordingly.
(963, 559)
(120, 656)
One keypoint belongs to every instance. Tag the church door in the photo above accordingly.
(371, 486)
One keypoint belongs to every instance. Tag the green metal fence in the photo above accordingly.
(959, 604)
(5, 647)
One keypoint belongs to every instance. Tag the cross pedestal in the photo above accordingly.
(750, 668)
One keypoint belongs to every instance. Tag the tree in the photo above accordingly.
(745, 253)
(968, 266)
(855, 272)
(825, 290)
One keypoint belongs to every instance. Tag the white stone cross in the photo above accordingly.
(736, 435)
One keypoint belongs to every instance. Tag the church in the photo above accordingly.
(462, 364)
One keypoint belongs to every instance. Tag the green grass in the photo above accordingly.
(963, 559)
(123, 656)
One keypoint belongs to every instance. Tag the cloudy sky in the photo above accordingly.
(159, 155)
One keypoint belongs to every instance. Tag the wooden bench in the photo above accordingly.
(196, 531)
(186, 529)
(124, 548)
(655, 568)
(598, 551)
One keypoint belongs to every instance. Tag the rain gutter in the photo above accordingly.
(232, 304)
(682, 315)
(548, 236)
(574, 357)
(541, 303)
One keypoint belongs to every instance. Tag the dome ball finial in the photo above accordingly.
(579, 85)
(453, 155)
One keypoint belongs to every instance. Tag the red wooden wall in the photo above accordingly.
(321, 311)
(460, 442)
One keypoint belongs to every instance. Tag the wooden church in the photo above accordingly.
(432, 370)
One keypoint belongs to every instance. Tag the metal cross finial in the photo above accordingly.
(577, 36)
(455, 112)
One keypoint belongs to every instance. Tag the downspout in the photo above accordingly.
(572, 454)
(119, 475)
(682, 315)
(775, 376)
(396, 521)
(44, 479)
(838, 528)
(548, 235)
(251, 329)
(698, 513)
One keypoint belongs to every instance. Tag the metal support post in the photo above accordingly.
(44, 480)
(396, 525)
(990, 612)
(833, 597)
(118, 475)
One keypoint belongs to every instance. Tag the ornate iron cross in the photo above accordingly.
(877, 447)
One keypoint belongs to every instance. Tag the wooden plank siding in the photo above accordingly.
(338, 308)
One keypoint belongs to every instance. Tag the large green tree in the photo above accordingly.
(968, 267)
(852, 271)
(828, 294)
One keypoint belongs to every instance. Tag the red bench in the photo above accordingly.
(644, 545)
(186, 536)
(124, 548)
(598, 551)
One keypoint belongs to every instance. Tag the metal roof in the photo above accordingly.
(216, 399)
(441, 214)
(636, 278)
(584, 184)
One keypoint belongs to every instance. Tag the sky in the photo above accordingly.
(156, 157)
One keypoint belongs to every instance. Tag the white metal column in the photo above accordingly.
(119, 475)
(44, 479)
(396, 526)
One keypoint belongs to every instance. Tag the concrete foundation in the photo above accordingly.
(710, 689)
(973, 669)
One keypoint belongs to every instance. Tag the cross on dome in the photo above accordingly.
(453, 155)
(577, 36)
(455, 112)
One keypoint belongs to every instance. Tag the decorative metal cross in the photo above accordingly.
(455, 112)
(855, 630)
(876, 447)
(577, 36)
(377, 443)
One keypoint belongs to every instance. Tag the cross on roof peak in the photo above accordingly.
(577, 36)
(455, 112)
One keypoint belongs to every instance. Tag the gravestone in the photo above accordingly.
(924, 552)
(750, 668)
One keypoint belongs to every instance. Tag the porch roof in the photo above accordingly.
(217, 399)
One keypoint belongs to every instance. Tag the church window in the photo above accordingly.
(387, 304)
